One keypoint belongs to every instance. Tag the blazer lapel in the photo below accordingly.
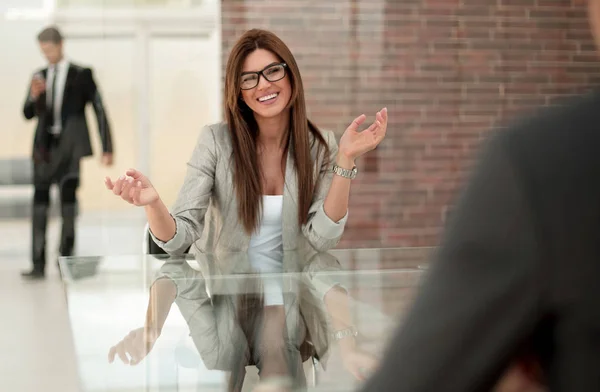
(290, 203)
(71, 75)
(236, 233)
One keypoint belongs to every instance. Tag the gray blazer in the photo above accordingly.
(212, 318)
(206, 208)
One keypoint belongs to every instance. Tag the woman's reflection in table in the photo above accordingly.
(272, 310)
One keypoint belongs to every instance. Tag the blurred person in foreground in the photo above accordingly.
(517, 272)
(57, 96)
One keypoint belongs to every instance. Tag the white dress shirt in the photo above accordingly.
(62, 69)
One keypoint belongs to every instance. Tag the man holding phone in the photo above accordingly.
(57, 96)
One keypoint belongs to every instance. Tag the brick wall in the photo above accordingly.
(448, 71)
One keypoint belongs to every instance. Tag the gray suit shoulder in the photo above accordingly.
(327, 134)
(220, 132)
(218, 128)
(219, 135)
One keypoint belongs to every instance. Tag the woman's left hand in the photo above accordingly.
(353, 143)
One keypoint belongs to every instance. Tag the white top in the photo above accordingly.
(61, 69)
(265, 244)
(269, 237)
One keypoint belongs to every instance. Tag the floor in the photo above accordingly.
(37, 350)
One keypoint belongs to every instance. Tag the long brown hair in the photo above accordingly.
(244, 130)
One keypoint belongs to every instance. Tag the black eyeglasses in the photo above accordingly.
(272, 73)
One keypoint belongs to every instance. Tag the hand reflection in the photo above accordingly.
(274, 385)
(337, 303)
(240, 315)
(359, 363)
(134, 347)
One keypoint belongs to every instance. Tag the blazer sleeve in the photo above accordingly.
(321, 273)
(320, 231)
(482, 297)
(194, 196)
(93, 96)
(29, 109)
(212, 337)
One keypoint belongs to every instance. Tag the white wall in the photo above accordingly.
(183, 100)
(20, 56)
(159, 74)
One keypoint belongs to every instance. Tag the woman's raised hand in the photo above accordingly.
(133, 187)
(355, 143)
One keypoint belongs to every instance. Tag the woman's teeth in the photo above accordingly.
(268, 97)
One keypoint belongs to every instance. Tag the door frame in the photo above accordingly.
(142, 25)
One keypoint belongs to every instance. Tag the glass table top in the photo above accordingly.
(280, 321)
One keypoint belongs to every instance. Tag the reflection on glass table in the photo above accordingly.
(280, 321)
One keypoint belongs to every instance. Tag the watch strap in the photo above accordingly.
(338, 335)
(346, 173)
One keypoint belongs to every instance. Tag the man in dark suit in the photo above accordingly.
(57, 96)
(518, 271)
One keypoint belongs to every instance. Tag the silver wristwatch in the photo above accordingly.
(338, 335)
(346, 173)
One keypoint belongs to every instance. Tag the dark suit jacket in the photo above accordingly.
(519, 266)
(80, 89)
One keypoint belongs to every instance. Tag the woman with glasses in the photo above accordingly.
(265, 179)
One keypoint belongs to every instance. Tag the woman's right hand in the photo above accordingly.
(134, 188)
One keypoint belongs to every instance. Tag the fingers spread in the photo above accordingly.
(118, 186)
(120, 348)
(136, 193)
(125, 192)
(357, 122)
(111, 354)
(136, 175)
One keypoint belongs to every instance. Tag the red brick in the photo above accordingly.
(448, 71)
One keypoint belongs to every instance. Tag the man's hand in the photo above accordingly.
(107, 159)
(38, 86)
